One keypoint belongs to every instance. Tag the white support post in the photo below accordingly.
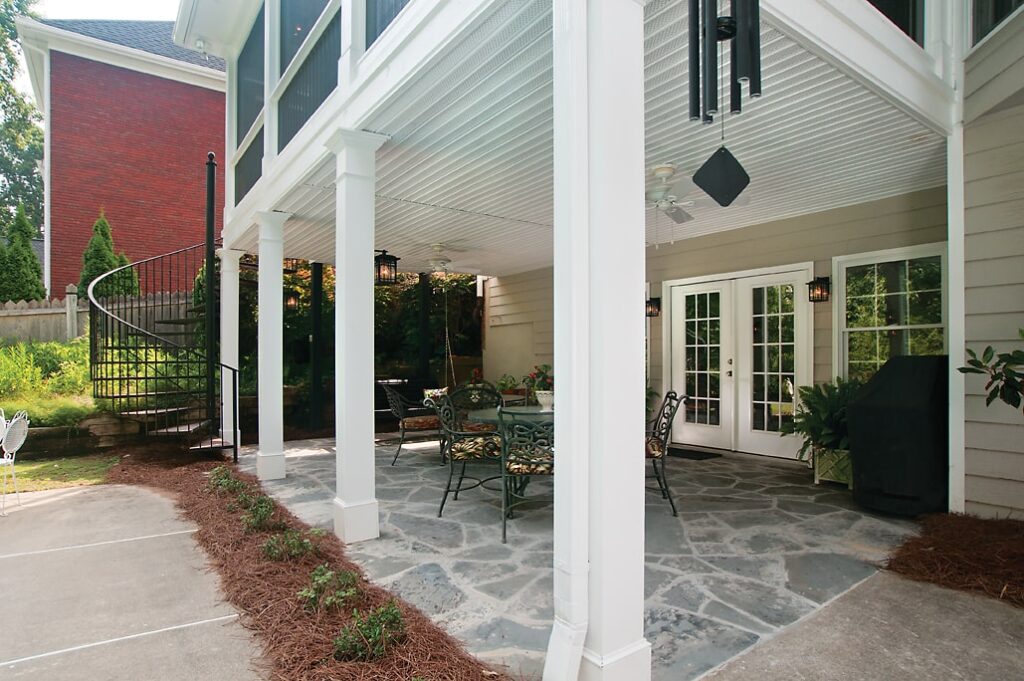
(270, 458)
(353, 39)
(229, 288)
(271, 74)
(355, 507)
(599, 285)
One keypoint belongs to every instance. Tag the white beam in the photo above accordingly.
(599, 342)
(229, 289)
(355, 506)
(858, 40)
(270, 457)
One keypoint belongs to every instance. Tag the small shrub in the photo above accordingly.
(259, 514)
(329, 589)
(50, 410)
(223, 481)
(287, 545)
(18, 371)
(371, 636)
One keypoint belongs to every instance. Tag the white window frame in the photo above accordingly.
(841, 263)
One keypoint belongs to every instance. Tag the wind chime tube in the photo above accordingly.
(694, 64)
(754, 24)
(735, 91)
(709, 55)
(741, 43)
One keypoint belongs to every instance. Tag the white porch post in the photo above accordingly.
(228, 339)
(270, 459)
(599, 342)
(355, 506)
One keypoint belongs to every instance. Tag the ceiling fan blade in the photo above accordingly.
(678, 215)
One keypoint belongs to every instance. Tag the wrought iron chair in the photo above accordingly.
(461, 447)
(11, 441)
(474, 396)
(411, 417)
(659, 431)
(528, 449)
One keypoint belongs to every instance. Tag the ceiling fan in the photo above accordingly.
(671, 197)
(440, 263)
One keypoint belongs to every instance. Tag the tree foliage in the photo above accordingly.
(99, 258)
(21, 138)
(21, 275)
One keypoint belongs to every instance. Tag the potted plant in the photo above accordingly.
(541, 383)
(820, 418)
(508, 385)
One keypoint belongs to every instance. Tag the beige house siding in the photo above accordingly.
(994, 292)
(518, 316)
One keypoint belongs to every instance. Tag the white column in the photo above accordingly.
(270, 458)
(355, 507)
(353, 39)
(229, 286)
(599, 342)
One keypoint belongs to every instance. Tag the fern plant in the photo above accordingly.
(821, 415)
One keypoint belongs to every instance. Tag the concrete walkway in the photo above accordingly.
(892, 628)
(108, 583)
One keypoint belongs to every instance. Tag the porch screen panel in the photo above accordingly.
(249, 167)
(892, 308)
(249, 67)
(773, 366)
(297, 18)
(703, 358)
(315, 80)
(379, 15)
(987, 14)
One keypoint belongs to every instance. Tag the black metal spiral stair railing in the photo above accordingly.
(153, 345)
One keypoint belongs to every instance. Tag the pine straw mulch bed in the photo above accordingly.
(966, 553)
(297, 644)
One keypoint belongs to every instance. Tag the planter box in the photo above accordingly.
(833, 465)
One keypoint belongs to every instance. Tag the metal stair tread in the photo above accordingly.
(156, 411)
(181, 428)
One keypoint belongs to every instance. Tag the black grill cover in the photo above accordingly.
(898, 437)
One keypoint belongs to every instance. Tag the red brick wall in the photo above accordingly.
(135, 146)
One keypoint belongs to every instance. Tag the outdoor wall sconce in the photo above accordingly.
(818, 290)
(291, 299)
(654, 307)
(385, 268)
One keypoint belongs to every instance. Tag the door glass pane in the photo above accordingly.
(773, 361)
(703, 357)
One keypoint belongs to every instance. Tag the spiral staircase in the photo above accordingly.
(153, 336)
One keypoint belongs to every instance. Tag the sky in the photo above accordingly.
(165, 10)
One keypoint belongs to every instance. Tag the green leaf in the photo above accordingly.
(993, 395)
(988, 354)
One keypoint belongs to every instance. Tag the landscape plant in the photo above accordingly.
(370, 636)
(820, 416)
(1005, 372)
(289, 544)
(329, 589)
(49, 380)
(21, 275)
(99, 258)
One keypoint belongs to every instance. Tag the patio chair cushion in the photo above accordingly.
(654, 449)
(466, 449)
(534, 467)
(427, 422)
(472, 427)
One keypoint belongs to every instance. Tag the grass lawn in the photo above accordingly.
(40, 474)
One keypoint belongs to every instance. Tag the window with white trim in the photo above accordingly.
(889, 303)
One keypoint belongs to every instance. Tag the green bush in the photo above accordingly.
(329, 589)
(287, 545)
(18, 371)
(50, 410)
(371, 636)
(222, 480)
(259, 513)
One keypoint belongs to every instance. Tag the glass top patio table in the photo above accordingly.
(532, 413)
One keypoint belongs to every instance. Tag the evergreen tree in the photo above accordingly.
(99, 258)
(21, 275)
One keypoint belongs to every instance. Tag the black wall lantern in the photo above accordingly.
(654, 307)
(818, 291)
(385, 269)
(291, 298)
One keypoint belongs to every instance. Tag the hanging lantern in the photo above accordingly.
(654, 307)
(291, 298)
(385, 269)
(818, 291)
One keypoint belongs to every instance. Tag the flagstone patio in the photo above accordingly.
(755, 548)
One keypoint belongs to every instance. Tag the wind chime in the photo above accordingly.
(722, 177)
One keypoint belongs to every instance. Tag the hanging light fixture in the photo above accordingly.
(819, 290)
(385, 268)
(291, 298)
(654, 307)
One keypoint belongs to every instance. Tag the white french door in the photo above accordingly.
(738, 348)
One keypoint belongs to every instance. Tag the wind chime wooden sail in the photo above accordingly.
(722, 177)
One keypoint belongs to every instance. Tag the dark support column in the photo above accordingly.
(423, 364)
(210, 286)
(316, 352)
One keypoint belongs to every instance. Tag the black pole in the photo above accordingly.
(754, 38)
(424, 326)
(694, 60)
(210, 312)
(316, 342)
(709, 57)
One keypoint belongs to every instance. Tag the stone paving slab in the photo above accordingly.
(891, 628)
(108, 583)
(756, 547)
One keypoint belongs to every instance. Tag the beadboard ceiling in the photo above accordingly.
(469, 161)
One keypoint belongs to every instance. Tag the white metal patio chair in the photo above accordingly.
(13, 438)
